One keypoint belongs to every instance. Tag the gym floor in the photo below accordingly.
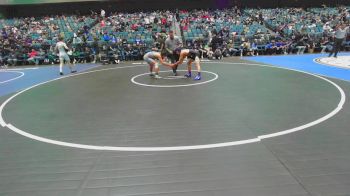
(247, 128)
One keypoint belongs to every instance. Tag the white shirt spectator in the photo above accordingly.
(14, 30)
(151, 18)
(77, 40)
(147, 21)
(103, 13)
(327, 27)
(312, 26)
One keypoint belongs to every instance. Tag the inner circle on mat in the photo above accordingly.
(102, 110)
(340, 61)
(8, 75)
(168, 80)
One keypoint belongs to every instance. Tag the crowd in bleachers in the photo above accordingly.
(221, 33)
(31, 40)
(115, 37)
(264, 31)
(118, 36)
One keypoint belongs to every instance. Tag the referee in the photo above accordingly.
(340, 35)
(171, 43)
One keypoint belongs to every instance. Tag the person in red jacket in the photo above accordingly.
(32, 57)
(164, 21)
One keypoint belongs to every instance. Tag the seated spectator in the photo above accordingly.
(3, 60)
(231, 48)
(322, 45)
(270, 48)
(51, 57)
(114, 40)
(106, 37)
(301, 46)
(113, 54)
(103, 55)
(88, 55)
(32, 57)
(40, 56)
(12, 58)
(217, 54)
(311, 46)
(209, 52)
(254, 48)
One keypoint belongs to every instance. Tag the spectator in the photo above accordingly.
(106, 37)
(301, 46)
(12, 58)
(76, 40)
(340, 35)
(32, 57)
(103, 13)
(136, 29)
(254, 48)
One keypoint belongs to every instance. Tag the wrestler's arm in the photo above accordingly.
(164, 62)
(181, 59)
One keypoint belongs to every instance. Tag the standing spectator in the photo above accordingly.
(103, 13)
(207, 35)
(76, 40)
(340, 35)
(177, 16)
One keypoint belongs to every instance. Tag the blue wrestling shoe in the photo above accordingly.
(188, 75)
(198, 77)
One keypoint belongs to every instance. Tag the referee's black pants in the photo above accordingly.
(336, 47)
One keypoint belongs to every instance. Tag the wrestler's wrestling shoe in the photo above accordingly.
(175, 71)
(198, 77)
(188, 75)
(157, 76)
(151, 75)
